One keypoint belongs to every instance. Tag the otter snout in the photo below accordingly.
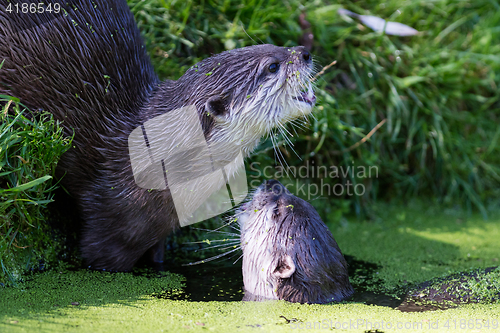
(275, 187)
(306, 56)
(302, 54)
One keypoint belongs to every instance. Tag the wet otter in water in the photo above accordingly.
(288, 252)
(90, 69)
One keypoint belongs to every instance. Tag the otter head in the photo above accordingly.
(242, 94)
(288, 252)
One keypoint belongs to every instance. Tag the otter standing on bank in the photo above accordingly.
(89, 68)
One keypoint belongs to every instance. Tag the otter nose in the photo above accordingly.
(275, 186)
(306, 56)
(271, 182)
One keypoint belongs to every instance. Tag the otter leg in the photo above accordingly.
(154, 256)
(115, 250)
(123, 226)
(156, 253)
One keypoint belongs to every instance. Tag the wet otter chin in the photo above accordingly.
(288, 252)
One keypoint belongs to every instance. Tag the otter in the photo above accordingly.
(88, 67)
(288, 252)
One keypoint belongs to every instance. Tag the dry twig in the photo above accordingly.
(363, 140)
(323, 71)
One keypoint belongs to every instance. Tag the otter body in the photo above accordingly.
(288, 252)
(90, 69)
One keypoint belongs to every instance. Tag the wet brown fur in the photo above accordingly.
(97, 78)
(297, 231)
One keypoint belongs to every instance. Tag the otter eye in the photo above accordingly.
(274, 67)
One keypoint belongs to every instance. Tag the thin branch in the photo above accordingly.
(323, 71)
(7, 107)
(363, 140)
(21, 247)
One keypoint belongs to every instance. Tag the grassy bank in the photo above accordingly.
(417, 242)
(409, 247)
(30, 149)
(438, 91)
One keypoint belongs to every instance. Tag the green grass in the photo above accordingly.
(438, 91)
(416, 242)
(410, 246)
(29, 151)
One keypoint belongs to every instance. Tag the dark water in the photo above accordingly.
(222, 281)
(209, 282)
(363, 277)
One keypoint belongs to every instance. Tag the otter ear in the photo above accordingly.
(216, 106)
(285, 268)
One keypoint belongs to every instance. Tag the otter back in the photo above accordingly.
(88, 68)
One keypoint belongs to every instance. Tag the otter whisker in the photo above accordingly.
(316, 66)
(231, 245)
(283, 131)
(206, 241)
(239, 213)
(212, 258)
(310, 115)
(246, 33)
(290, 144)
(296, 123)
(279, 154)
(241, 256)
(294, 128)
(228, 225)
(233, 219)
(300, 124)
(274, 146)
(216, 231)
(262, 151)
(282, 126)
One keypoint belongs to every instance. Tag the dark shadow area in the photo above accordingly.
(223, 281)
(66, 224)
(208, 282)
(363, 277)
(217, 280)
